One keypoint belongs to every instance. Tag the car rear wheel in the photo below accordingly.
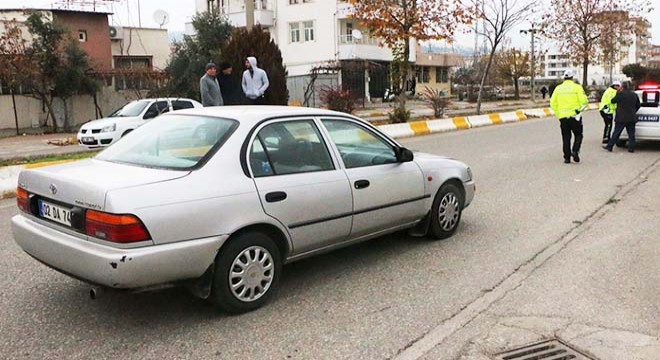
(247, 270)
(446, 211)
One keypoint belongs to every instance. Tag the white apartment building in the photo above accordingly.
(555, 62)
(313, 33)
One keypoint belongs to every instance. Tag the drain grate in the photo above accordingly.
(546, 350)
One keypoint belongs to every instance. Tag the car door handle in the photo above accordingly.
(275, 196)
(361, 184)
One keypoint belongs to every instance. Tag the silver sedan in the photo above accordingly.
(218, 199)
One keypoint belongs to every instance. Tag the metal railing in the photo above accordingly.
(365, 40)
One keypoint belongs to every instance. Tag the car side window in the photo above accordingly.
(181, 104)
(358, 146)
(289, 147)
(163, 107)
(155, 109)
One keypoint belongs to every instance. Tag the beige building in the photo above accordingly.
(434, 71)
(144, 47)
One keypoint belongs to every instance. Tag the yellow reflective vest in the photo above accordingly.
(568, 99)
(606, 105)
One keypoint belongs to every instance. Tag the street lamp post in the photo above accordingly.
(532, 32)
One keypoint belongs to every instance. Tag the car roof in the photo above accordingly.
(163, 99)
(255, 113)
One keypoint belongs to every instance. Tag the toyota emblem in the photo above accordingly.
(53, 189)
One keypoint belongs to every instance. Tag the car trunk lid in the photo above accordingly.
(85, 183)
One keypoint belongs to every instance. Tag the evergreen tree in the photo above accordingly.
(190, 56)
(257, 43)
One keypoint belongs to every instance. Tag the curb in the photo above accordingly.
(9, 174)
(425, 127)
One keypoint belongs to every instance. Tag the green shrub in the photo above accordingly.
(400, 114)
(432, 99)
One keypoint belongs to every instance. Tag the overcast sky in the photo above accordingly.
(180, 11)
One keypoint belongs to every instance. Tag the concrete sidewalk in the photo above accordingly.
(378, 114)
(36, 146)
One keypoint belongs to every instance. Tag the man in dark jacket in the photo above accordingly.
(627, 105)
(231, 90)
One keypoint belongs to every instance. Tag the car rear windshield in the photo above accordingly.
(134, 108)
(179, 142)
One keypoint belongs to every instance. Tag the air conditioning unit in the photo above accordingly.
(116, 33)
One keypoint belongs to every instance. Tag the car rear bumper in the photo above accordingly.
(112, 267)
(644, 132)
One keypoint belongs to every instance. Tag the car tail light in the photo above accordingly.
(115, 228)
(649, 86)
(23, 199)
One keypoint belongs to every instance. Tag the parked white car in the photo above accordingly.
(106, 131)
(219, 198)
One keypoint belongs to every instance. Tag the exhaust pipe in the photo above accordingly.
(96, 292)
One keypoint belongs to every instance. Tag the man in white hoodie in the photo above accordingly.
(255, 82)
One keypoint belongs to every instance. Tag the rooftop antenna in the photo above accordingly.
(161, 17)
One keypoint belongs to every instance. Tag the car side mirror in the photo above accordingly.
(404, 155)
(150, 114)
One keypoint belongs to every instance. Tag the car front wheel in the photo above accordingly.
(446, 211)
(247, 271)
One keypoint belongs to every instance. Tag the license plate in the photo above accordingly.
(650, 118)
(88, 139)
(54, 212)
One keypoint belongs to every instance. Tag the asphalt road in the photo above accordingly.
(391, 297)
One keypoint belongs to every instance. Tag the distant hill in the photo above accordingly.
(432, 48)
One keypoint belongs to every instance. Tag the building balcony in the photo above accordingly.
(264, 13)
(366, 48)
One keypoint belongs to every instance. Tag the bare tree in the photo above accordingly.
(499, 17)
(586, 29)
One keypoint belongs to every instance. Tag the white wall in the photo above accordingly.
(30, 109)
(300, 57)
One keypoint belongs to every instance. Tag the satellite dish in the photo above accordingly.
(356, 34)
(161, 17)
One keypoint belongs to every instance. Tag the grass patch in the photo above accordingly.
(39, 159)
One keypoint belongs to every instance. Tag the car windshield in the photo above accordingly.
(178, 142)
(134, 108)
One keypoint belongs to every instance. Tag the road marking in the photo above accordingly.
(495, 118)
(420, 128)
(422, 345)
(461, 123)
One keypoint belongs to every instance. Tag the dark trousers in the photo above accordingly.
(618, 129)
(258, 101)
(571, 126)
(607, 119)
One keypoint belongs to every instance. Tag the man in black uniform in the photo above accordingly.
(627, 105)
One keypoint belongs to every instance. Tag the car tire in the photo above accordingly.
(446, 211)
(621, 143)
(256, 256)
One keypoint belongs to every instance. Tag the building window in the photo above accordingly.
(295, 32)
(441, 75)
(82, 35)
(309, 30)
(422, 74)
(132, 72)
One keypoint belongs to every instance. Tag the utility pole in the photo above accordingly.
(532, 32)
(249, 14)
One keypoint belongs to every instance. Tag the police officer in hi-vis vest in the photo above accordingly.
(607, 109)
(568, 101)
